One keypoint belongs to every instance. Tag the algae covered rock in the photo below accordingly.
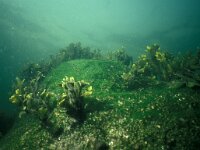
(101, 74)
(114, 118)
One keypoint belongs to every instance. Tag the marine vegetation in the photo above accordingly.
(71, 52)
(72, 98)
(120, 55)
(159, 67)
(31, 99)
(74, 51)
(187, 70)
(69, 113)
(47, 105)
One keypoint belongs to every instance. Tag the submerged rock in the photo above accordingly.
(147, 118)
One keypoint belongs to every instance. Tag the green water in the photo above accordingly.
(121, 115)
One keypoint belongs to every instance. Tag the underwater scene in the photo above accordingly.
(99, 75)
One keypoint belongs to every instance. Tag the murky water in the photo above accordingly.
(31, 31)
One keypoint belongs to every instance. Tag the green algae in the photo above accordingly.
(150, 118)
(101, 74)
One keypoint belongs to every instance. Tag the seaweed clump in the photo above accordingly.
(150, 69)
(72, 97)
(32, 99)
(157, 67)
(51, 108)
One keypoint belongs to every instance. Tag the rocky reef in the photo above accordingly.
(107, 102)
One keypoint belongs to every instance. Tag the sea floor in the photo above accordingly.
(156, 117)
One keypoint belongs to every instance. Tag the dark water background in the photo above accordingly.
(31, 30)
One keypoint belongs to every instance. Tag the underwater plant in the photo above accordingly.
(72, 51)
(187, 71)
(31, 71)
(55, 110)
(151, 68)
(72, 98)
(31, 99)
(76, 51)
(69, 108)
(120, 55)
(158, 67)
